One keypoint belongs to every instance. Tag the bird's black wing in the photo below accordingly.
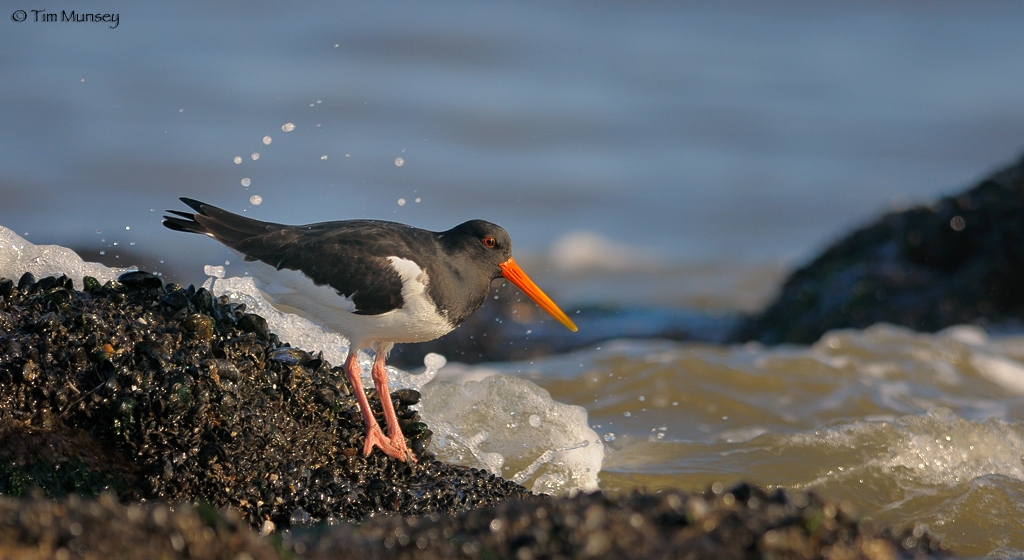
(349, 256)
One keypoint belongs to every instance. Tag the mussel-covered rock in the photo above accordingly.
(193, 400)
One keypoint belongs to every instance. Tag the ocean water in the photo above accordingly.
(909, 428)
(707, 136)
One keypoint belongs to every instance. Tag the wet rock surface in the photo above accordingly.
(37, 528)
(162, 392)
(199, 431)
(741, 522)
(959, 260)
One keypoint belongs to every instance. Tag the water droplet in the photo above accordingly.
(246, 182)
(418, 200)
(255, 200)
(215, 271)
(238, 160)
(255, 156)
(627, 414)
(103, 252)
(318, 102)
(399, 162)
(401, 202)
(127, 228)
(323, 157)
(288, 127)
(267, 140)
(181, 110)
(535, 420)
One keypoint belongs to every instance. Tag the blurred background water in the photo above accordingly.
(721, 136)
(677, 156)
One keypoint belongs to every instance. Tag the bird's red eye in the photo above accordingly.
(489, 242)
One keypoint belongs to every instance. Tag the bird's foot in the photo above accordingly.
(398, 442)
(375, 438)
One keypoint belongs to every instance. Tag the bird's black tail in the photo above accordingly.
(224, 226)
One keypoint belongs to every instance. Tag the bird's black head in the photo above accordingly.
(487, 243)
(481, 241)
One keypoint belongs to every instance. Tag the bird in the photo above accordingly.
(377, 283)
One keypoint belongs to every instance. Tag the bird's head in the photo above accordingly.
(490, 243)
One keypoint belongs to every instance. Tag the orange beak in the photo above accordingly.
(511, 270)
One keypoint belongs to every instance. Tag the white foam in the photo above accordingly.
(941, 448)
(935, 449)
(513, 428)
(18, 256)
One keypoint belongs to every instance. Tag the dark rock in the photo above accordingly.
(255, 324)
(176, 299)
(290, 356)
(407, 396)
(26, 281)
(103, 528)
(140, 280)
(959, 260)
(746, 522)
(190, 407)
(6, 287)
(90, 284)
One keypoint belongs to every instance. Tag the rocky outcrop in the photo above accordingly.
(191, 430)
(959, 260)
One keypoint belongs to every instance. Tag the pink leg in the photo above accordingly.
(374, 436)
(380, 380)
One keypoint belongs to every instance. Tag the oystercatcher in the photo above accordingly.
(377, 283)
